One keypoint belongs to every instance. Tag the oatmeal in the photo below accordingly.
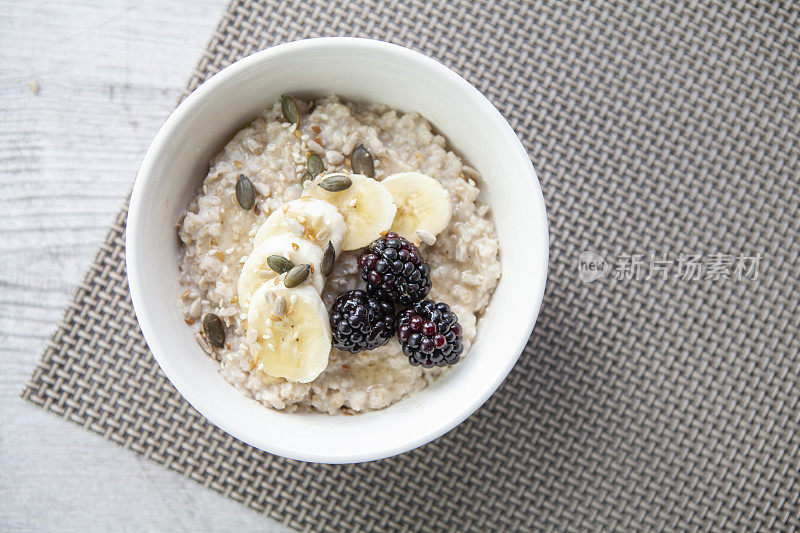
(284, 165)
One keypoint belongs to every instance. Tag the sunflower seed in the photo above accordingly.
(289, 109)
(214, 330)
(361, 162)
(315, 165)
(204, 344)
(297, 275)
(328, 257)
(279, 309)
(245, 192)
(279, 264)
(336, 183)
(295, 227)
(426, 237)
(334, 157)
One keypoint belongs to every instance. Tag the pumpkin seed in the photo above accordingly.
(361, 162)
(245, 192)
(305, 177)
(279, 264)
(336, 183)
(289, 109)
(315, 165)
(328, 257)
(297, 275)
(214, 330)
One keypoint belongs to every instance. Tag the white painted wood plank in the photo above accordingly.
(109, 72)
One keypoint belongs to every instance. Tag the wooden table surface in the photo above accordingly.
(108, 74)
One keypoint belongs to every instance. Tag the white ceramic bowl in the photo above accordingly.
(177, 161)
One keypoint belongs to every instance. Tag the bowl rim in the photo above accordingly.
(136, 281)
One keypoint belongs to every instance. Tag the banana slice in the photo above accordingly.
(366, 205)
(307, 217)
(298, 250)
(288, 332)
(422, 204)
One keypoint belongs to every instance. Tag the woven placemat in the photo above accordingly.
(663, 395)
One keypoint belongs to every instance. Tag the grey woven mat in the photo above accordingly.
(663, 395)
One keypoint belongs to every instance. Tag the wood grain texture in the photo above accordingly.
(108, 74)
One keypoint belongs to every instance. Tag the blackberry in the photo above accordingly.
(430, 334)
(394, 270)
(361, 322)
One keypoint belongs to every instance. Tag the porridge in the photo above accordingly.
(337, 257)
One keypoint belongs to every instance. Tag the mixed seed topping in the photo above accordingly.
(395, 263)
